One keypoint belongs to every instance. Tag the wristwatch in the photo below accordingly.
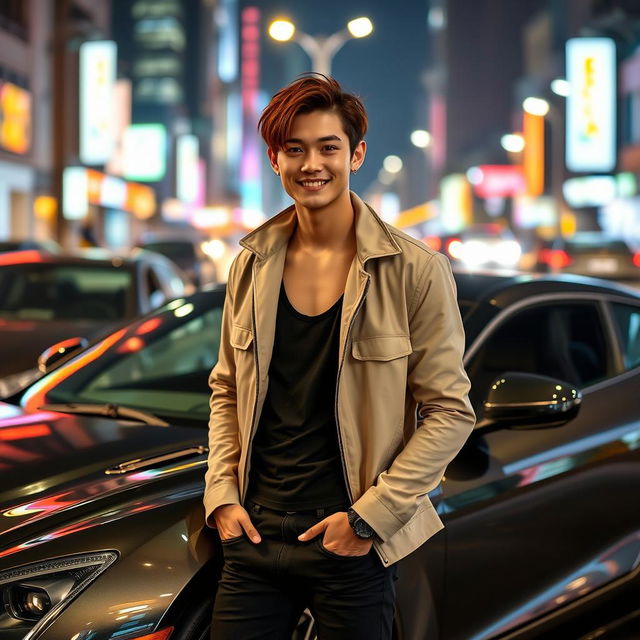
(359, 526)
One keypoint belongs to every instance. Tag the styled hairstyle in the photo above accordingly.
(311, 92)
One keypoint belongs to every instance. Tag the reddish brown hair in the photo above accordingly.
(311, 92)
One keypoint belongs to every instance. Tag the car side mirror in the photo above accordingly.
(527, 401)
(49, 357)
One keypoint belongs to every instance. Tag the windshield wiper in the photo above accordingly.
(108, 410)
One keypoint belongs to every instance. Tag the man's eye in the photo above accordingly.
(294, 149)
(331, 147)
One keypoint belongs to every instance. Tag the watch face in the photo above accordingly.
(362, 529)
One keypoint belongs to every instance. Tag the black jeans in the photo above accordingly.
(264, 588)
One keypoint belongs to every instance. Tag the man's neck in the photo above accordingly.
(319, 230)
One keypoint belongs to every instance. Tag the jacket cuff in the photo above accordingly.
(217, 496)
(377, 515)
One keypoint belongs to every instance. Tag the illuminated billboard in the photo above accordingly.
(97, 79)
(145, 152)
(15, 118)
(75, 187)
(82, 187)
(187, 168)
(591, 105)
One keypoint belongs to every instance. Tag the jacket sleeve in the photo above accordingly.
(440, 386)
(221, 478)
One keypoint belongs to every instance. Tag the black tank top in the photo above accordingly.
(296, 463)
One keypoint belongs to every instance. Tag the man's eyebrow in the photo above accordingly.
(323, 139)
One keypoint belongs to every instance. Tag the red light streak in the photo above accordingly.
(36, 398)
(24, 432)
(20, 257)
(132, 344)
(148, 326)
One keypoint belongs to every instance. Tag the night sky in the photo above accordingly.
(384, 69)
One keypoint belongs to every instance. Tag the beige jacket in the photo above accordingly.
(401, 347)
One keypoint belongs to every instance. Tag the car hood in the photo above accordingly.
(22, 341)
(51, 463)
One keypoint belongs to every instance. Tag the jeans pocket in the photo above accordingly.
(331, 554)
(228, 541)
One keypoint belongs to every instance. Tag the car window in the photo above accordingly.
(162, 372)
(564, 341)
(155, 291)
(48, 292)
(627, 319)
(172, 283)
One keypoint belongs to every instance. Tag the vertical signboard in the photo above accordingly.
(187, 168)
(75, 187)
(15, 118)
(533, 158)
(591, 105)
(121, 119)
(250, 171)
(456, 202)
(97, 78)
(145, 152)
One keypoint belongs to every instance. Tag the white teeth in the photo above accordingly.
(313, 183)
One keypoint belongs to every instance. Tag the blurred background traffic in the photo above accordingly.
(505, 134)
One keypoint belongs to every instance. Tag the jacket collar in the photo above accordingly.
(373, 239)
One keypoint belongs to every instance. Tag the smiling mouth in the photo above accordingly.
(312, 184)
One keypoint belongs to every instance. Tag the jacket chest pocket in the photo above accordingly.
(381, 348)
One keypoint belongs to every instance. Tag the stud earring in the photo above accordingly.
(354, 171)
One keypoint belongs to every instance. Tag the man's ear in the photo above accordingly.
(273, 160)
(357, 159)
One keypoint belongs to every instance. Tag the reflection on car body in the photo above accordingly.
(539, 506)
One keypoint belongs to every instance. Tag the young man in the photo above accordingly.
(336, 328)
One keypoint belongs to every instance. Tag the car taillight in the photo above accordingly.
(558, 259)
(636, 258)
(435, 242)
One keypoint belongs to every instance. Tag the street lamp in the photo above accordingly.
(535, 106)
(420, 138)
(320, 49)
(392, 164)
(512, 142)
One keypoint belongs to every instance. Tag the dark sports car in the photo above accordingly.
(102, 464)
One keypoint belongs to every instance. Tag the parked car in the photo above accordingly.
(102, 527)
(186, 252)
(592, 254)
(47, 298)
(479, 246)
(21, 245)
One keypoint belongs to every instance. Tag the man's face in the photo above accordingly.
(315, 163)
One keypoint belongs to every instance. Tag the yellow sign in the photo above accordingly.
(15, 118)
(415, 215)
(533, 161)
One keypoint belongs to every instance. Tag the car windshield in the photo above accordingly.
(63, 292)
(159, 364)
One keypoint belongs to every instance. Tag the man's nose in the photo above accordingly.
(312, 162)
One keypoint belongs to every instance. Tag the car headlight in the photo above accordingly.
(508, 253)
(34, 594)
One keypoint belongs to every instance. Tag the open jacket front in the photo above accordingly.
(401, 348)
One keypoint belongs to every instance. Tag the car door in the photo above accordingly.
(539, 518)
